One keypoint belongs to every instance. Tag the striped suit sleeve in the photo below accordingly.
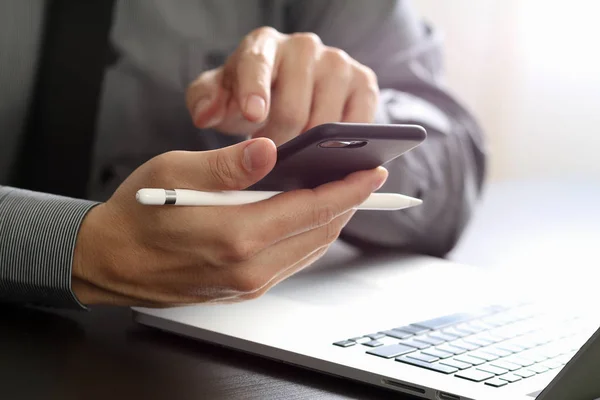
(37, 240)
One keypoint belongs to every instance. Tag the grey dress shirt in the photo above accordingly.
(164, 45)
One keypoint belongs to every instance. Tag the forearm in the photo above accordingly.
(37, 241)
(446, 171)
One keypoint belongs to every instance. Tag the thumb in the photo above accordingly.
(206, 99)
(235, 167)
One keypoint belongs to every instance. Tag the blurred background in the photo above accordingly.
(530, 71)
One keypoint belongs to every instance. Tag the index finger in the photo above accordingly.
(253, 73)
(298, 211)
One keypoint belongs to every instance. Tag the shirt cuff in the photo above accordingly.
(38, 233)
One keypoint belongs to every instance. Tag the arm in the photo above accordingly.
(447, 170)
(37, 240)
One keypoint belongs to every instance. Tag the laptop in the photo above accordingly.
(417, 325)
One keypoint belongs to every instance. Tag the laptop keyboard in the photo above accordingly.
(496, 346)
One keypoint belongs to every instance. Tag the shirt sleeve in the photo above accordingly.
(446, 171)
(37, 239)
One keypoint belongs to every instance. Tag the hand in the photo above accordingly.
(129, 254)
(277, 86)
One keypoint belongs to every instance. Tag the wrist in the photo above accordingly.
(96, 254)
(89, 256)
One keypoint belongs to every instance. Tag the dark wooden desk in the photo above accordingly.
(104, 355)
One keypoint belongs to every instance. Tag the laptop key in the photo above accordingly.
(490, 337)
(496, 382)
(552, 364)
(538, 368)
(510, 378)
(397, 334)
(415, 330)
(469, 359)
(524, 373)
(479, 324)
(474, 340)
(492, 370)
(550, 350)
(345, 343)
(468, 329)
(483, 355)
(376, 336)
(507, 332)
(451, 349)
(455, 363)
(513, 348)
(446, 320)
(437, 353)
(373, 343)
(474, 375)
(533, 356)
(445, 369)
(361, 339)
(423, 357)
(454, 331)
(523, 342)
(413, 343)
(391, 351)
(519, 360)
(506, 365)
(464, 345)
(442, 336)
(496, 351)
(429, 340)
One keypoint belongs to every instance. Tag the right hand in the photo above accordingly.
(134, 255)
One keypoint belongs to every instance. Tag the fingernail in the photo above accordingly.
(201, 107)
(255, 156)
(255, 107)
(382, 177)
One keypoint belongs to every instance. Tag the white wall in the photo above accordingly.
(530, 71)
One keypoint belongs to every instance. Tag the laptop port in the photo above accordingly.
(403, 386)
(447, 396)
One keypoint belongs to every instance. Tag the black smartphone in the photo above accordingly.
(330, 152)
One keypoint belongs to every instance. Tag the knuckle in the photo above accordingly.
(223, 171)
(159, 168)
(336, 58)
(265, 31)
(255, 56)
(239, 250)
(323, 215)
(308, 41)
(332, 233)
(245, 283)
(367, 77)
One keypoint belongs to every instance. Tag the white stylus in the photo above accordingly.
(185, 197)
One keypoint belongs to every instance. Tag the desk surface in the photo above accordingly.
(103, 354)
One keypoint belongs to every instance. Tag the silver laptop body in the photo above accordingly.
(416, 325)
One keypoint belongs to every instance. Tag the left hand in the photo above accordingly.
(277, 86)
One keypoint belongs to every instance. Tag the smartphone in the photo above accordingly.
(330, 152)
